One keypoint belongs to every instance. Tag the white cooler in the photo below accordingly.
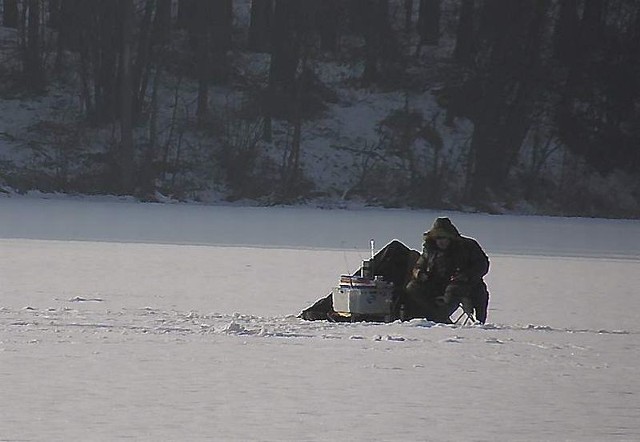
(363, 296)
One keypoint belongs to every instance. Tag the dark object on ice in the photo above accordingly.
(452, 268)
(430, 285)
(394, 263)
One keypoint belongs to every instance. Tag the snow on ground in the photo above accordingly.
(177, 322)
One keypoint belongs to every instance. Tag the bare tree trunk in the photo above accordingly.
(141, 67)
(201, 26)
(261, 25)
(291, 161)
(566, 31)
(285, 52)
(162, 21)
(284, 60)
(221, 33)
(126, 101)
(186, 10)
(54, 13)
(222, 21)
(147, 170)
(429, 23)
(105, 50)
(408, 16)
(10, 14)
(327, 24)
(376, 29)
(33, 63)
(465, 48)
(358, 15)
(159, 38)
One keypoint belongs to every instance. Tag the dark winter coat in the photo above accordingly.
(464, 259)
(443, 278)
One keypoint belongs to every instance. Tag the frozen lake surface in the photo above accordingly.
(177, 322)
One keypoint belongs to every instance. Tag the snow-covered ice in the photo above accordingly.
(177, 322)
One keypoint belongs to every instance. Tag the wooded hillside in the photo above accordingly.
(500, 105)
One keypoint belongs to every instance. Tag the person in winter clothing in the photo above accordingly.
(448, 273)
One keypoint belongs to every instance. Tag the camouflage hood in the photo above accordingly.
(442, 227)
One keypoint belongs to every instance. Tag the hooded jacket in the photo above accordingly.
(464, 257)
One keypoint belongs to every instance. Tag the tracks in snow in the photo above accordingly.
(68, 324)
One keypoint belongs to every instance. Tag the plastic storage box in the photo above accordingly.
(362, 296)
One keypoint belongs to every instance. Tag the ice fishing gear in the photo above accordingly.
(364, 295)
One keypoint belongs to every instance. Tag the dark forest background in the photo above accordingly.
(552, 89)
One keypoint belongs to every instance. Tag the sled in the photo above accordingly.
(373, 293)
